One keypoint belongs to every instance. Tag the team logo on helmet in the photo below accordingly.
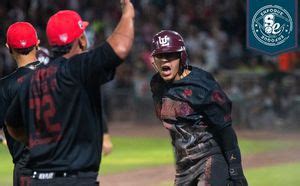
(23, 43)
(63, 37)
(164, 41)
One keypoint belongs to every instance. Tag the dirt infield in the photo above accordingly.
(164, 174)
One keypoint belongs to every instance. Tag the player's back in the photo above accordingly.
(60, 113)
(59, 118)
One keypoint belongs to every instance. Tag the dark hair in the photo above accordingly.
(22, 51)
(58, 51)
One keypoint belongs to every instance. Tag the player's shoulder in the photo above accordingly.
(156, 78)
(102, 49)
(203, 75)
(55, 61)
(9, 79)
(203, 79)
(9, 84)
(156, 82)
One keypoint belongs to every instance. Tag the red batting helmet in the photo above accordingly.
(167, 41)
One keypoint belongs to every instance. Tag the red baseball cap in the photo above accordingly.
(64, 27)
(21, 35)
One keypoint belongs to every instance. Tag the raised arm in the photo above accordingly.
(121, 39)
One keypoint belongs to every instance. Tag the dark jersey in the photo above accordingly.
(60, 109)
(9, 86)
(192, 109)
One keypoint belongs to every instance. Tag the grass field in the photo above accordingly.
(136, 152)
(133, 153)
(279, 175)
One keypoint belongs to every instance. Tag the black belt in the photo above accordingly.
(43, 175)
(51, 175)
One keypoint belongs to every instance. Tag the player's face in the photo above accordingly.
(168, 65)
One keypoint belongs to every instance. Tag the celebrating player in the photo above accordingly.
(22, 42)
(58, 103)
(197, 113)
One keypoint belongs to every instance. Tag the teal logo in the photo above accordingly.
(272, 25)
(271, 28)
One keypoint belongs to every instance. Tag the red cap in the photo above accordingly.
(64, 27)
(21, 35)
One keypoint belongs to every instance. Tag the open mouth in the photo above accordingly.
(166, 70)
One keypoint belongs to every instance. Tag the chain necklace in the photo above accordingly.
(33, 66)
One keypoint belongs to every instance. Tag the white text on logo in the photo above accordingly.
(165, 41)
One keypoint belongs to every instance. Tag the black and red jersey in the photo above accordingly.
(60, 110)
(192, 109)
(9, 87)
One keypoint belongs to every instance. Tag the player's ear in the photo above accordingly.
(37, 45)
(10, 51)
(82, 41)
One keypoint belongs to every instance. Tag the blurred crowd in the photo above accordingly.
(214, 33)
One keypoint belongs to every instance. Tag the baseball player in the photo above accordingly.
(197, 113)
(43, 56)
(56, 112)
(22, 42)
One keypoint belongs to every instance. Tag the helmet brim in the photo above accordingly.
(167, 50)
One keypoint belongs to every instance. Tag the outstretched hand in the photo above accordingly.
(127, 8)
